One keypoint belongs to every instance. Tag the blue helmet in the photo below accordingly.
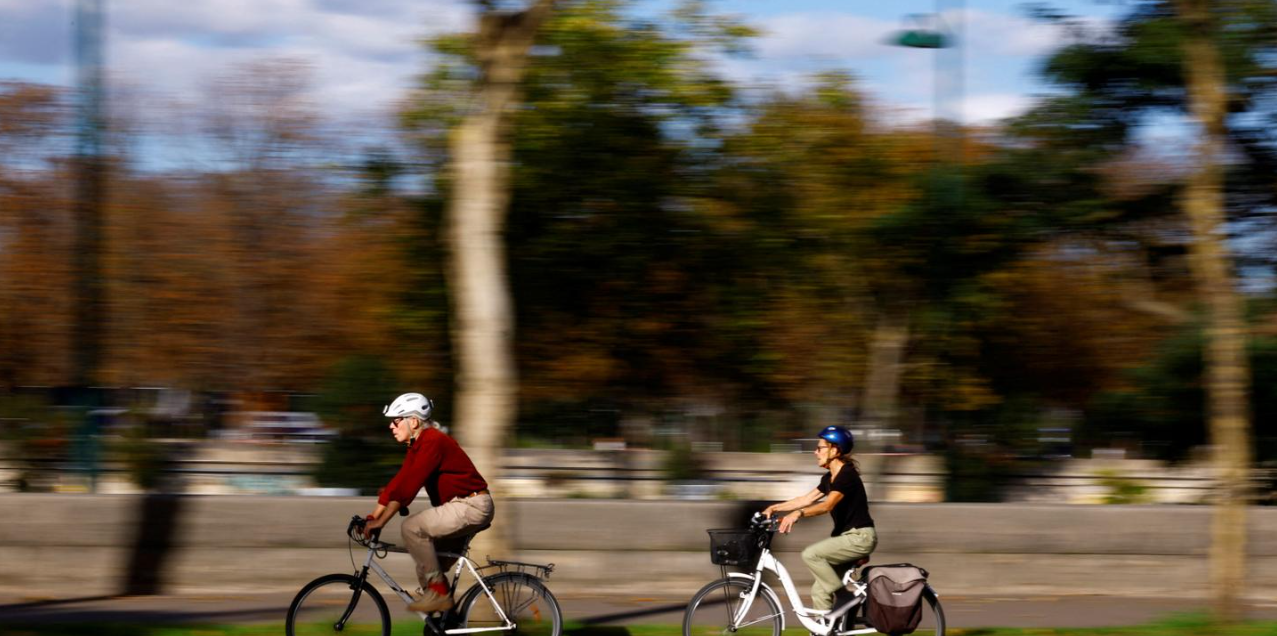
(839, 436)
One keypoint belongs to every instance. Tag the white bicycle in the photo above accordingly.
(741, 603)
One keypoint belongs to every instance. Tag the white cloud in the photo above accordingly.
(1001, 34)
(823, 35)
(847, 36)
(365, 53)
(35, 32)
(998, 51)
(991, 107)
(361, 62)
(392, 27)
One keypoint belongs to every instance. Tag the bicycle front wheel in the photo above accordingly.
(329, 605)
(523, 599)
(717, 610)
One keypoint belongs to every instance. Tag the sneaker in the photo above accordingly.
(430, 601)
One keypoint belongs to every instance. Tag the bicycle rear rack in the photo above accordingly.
(532, 569)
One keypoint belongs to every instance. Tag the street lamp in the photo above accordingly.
(90, 310)
(930, 31)
(923, 35)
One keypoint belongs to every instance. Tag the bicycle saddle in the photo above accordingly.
(466, 539)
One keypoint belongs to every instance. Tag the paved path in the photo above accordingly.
(968, 612)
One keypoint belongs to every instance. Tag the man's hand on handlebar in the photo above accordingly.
(374, 522)
(372, 526)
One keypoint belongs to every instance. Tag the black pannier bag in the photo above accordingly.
(895, 597)
(733, 547)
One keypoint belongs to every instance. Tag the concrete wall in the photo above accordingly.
(86, 545)
(237, 468)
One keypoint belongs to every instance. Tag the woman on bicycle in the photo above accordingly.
(459, 495)
(841, 493)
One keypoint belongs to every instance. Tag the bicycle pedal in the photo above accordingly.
(432, 628)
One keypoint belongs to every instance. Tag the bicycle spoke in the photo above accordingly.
(760, 619)
(720, 609)
(322, 611)
(517, 609)
(523, 600)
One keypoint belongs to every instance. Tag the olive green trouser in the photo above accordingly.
(824, 557)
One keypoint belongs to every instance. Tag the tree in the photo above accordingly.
(1212, 61)
(617, 273)
(1228, 373)
(266, 187)
(814, 173)
(483, 329)
(35, 234)
(605, 252)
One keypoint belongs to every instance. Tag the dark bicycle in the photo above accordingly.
(507, 596)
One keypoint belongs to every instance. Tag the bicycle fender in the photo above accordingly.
(763, 588)
(475, 589)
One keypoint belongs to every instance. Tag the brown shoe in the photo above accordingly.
(431, 602)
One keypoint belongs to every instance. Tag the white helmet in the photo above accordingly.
(410, 404)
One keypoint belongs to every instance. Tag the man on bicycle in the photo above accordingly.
(458, 493)
(842, 494)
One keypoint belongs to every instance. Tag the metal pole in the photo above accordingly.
(89, 308)
(89, 194)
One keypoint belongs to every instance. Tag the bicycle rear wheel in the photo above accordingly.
(523, 598)
(712, 610)
(320, 606)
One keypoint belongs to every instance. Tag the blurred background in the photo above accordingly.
(224, 245)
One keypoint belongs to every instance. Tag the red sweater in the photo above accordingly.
(436, 462)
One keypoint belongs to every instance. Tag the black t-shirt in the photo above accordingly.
(852, 511)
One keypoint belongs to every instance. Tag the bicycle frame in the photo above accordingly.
(370, 564)
(814, 620)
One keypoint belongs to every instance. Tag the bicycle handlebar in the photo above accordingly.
(355, 528)
(765, 523)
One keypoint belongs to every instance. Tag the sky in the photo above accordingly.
(365, 54)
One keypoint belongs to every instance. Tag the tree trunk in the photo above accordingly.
(483, 326)
(1227, 371)
(882, 387)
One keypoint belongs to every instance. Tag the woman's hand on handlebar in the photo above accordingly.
(787, 522)
(764, 521)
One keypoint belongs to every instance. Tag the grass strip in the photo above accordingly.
(1181, 625)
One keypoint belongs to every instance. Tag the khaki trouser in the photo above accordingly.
(448, 525)
(824, 557)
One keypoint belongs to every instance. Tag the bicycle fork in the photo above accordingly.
(357, 586)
